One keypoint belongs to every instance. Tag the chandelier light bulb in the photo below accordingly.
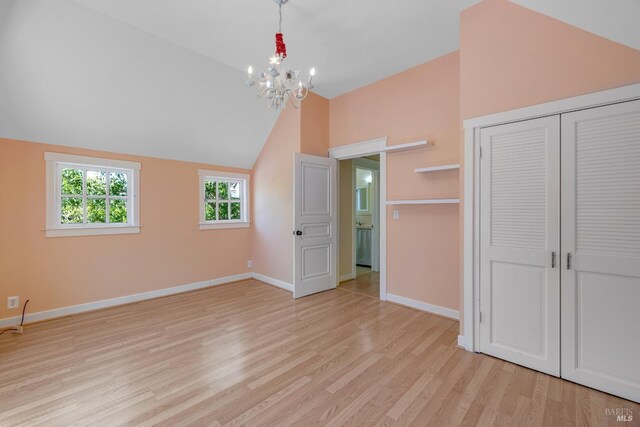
(250, 70)
(312, 72)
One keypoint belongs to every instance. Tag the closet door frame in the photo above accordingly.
(611, 264)
(469, 339)
(523, 243)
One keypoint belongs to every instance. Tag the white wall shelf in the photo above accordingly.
(438, 168)
(408, 146)
(424, 202)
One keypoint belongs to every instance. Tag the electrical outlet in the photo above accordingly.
(13, 302)
(396, 214)
(249, 264)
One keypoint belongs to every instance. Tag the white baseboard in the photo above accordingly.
(275, 282)
(96, 305)
(462, 342)
(423, 306)
(347, 277)
(90, 306)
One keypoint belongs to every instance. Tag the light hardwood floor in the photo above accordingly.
(367, 282)
(248, 354)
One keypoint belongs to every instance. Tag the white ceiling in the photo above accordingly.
(72, 76)
(164, 78)
(350, 42)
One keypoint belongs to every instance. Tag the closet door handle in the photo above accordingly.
(568, 260)
(553, 260)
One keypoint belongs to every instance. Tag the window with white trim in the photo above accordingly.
(91, 195)
(224, 200)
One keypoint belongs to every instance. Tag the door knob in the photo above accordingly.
(298, 233)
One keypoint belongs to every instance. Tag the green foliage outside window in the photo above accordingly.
(219, 198)
(72, 207)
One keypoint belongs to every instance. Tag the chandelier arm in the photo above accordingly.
(277, 85)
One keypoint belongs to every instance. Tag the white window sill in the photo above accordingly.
(221, 225)
(90, 231)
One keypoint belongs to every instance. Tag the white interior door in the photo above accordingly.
(315, 220)
(519, 239)
(601, 237)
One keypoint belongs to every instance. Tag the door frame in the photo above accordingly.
(469, 339)
(363, 149)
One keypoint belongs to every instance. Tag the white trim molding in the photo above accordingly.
(230, 224)
(91, 161)
(437, 168)
(408, 146)
(221, 174)
(373, 146)
(472, 127)
(590, 100)
(462, 341)
(112, 302)
(423, 306)
(91, 231)
(54, 227)
(245, 197)
(359, 149)
(273, 282)
(128, 299)
(363, 149)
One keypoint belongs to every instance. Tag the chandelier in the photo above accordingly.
(276, 84)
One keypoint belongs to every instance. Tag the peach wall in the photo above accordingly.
(301, 130)
(423, 256)
(63, 271)
(314, 125)
(512, 57)
(423, 250)
(272, 244)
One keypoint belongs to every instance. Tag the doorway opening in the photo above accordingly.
(359, 235)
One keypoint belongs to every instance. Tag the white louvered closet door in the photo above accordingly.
(601, 231)
(519, 235)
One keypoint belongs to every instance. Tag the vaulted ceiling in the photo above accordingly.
(350, 42)
(164, 78)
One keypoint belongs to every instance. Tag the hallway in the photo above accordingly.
(367, 283)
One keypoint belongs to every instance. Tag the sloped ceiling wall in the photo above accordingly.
(615, 20)
(528, 58)
(72, 76)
